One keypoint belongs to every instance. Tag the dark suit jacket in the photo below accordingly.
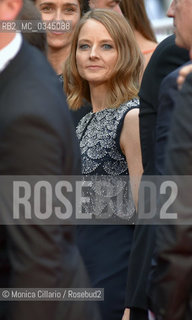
(167, 100)
(165, 59)
(37, 138)
(172, 281)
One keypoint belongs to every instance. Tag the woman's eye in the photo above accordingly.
(107, 46)
(69, 10)
(83, 46)
(46, 9)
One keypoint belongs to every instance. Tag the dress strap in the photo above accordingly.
(148, 51)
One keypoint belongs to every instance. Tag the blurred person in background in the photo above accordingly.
(37, 39)
(171, 290)
(106, 4)
(59, 42)
(134, 11)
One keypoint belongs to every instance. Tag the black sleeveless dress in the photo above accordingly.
(105, 249)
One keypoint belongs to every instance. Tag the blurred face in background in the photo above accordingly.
(58, 10)
(9, 10)
(106, 4)
(181, 12)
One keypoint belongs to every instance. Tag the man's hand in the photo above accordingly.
(183, 73)
(126, 314)
(151, 315)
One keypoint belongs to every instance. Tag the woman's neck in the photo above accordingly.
(57, 58)
(143, 43)
(98, 95)
(146, 46)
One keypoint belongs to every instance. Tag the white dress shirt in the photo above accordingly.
(10, 51)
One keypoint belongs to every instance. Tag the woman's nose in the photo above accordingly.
(93, 52)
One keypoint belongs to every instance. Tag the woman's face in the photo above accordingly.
(59, 10)
(96, 53)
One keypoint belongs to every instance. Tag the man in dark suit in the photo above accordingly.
(171, 289)
(36, 138)
(166, 58)
(172, 285)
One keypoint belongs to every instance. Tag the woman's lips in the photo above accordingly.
(94, 67)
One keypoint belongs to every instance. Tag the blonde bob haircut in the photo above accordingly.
(124, 82)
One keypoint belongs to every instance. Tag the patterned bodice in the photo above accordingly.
(99, 135)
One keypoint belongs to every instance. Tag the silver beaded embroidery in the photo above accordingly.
(96, 133)
(109, 194)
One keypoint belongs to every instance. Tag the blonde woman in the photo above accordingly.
(134, 11)
(104, 67)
